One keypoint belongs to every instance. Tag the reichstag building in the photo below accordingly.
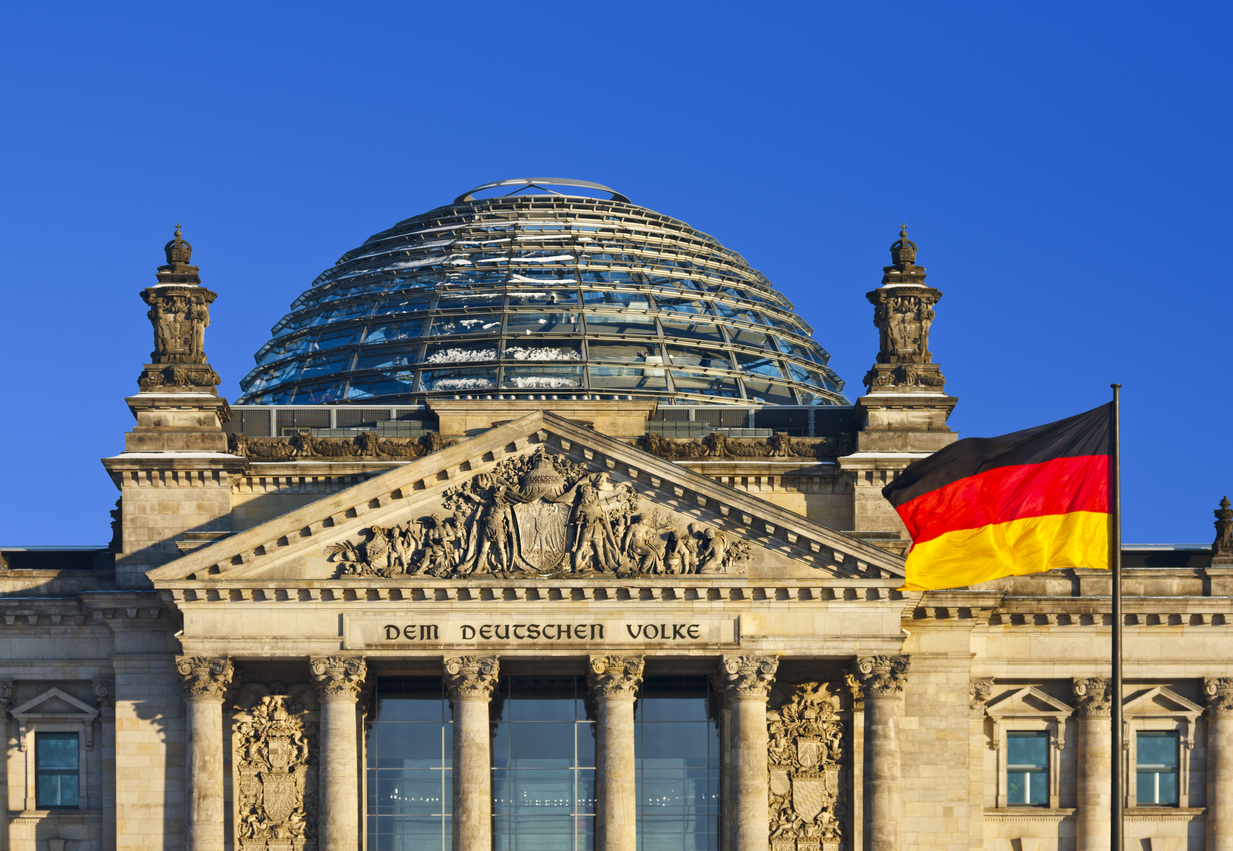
(542, 524)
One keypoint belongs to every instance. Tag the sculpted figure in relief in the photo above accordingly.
(540, 515)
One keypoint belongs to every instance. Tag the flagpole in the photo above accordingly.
(1115, 565)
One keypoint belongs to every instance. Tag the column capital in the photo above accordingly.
(204, 677)
(882, 676)
(1093, 697)
(1219, 692)
(471, 676)
(338, 677)
(980, 689)
(614, 676)
(750, 676)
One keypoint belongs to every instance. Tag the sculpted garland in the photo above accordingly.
(541, 515)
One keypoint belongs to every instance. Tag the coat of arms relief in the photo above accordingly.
(275, 768)
(806, 751)
(541, 515)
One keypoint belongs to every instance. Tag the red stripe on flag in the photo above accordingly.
(1058, 486)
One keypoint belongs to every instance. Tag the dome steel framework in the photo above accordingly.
(539, 292)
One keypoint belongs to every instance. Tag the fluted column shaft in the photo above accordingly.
(613, 684)
(749, 681)
(882, 679)
(338, 680)
(1092, 824)
(470, 681)
(204, 681)
(1220, 763)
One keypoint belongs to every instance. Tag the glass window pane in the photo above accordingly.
(542, 298)
(706, 385)
(543, 322)
(541, 378)
(459, 380)
(1168, 790)
(620, 323)
(1016, 787)
(455, 324)
(1027, 749)
(700, 330)
(1157, 749)
(704, 358)
(605, 379)
(409, 745)
(448, 353)
(539, 349)
(542, 744)
(56, 751)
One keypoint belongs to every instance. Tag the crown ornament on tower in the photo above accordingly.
(179, 312)
(903, 314)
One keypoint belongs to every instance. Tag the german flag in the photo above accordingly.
(1005, 506)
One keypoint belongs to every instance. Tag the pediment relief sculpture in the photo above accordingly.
(806, 753)
(541, 515)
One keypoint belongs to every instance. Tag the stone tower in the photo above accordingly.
(175, 473)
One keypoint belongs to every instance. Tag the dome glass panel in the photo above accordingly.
(542, 290)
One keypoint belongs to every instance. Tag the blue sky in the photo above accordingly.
(1063, 167)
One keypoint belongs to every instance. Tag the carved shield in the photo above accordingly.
(809, 752)
(541, 532)
(280, 796)
(280, 752)
(808, 795)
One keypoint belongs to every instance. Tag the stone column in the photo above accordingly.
(470, 680)
(205, 681)
(612, 682)
(882, 679)
(1094, 704)
(105, 694)
(1219, 763)
(338, 680)
(979, 692)
(749, 680)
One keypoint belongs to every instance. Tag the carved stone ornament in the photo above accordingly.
(1092, 697)
(903, 313)
(882, 676)
(979, 691)
(808, 807)
(1219, 691)
(275, 761)
(204, 677)
(614, 676)
(1222, 547)
(541, 515)
(719, 445)
(6, 696)
(104, 692)
(117, 528)
(750, 676)
(338, 677)
(366, 444)
(471, 676)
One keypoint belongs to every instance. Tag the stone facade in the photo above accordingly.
(216, 665)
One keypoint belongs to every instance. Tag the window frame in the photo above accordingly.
(1028, 709)
(1157, 709)
(40, 772)
(32, 719)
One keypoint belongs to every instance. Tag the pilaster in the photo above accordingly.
(612, 683)
(470, 681)
(749, 680)
(1219, 691)
(1094, 704)
(882, 681)
(338, 680)
(205, 681)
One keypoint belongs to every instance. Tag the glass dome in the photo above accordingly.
(542, 291)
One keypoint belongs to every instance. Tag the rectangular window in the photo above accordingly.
(410, 745)
(1027, 769)
(1156, 784)
(676, 757)
(543, 765)
(56, 769)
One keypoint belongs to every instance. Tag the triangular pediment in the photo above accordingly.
(541, 496)
(54, 703)
(1160, 702)
(1027, 702)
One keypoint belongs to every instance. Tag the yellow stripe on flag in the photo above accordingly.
(1028, 545)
